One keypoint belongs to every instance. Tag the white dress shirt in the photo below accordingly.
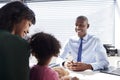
(93, 51)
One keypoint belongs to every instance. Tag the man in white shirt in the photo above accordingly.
(93, 54)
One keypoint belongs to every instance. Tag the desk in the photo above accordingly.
(93, 75)
(90, 75)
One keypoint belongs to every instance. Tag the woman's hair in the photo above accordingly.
(44, 46)
(13, 13)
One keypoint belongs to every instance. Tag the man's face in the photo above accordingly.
(81, 27)
(22, 28)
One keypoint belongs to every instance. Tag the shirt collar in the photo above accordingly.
(85, 38)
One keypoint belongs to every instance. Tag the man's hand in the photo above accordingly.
(77, 66)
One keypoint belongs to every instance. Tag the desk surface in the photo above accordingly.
(93, 75)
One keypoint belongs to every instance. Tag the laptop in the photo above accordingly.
(111, 70)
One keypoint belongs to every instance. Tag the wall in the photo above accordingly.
(117, 24)
(58, 18)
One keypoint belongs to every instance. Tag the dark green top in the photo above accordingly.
(14, 57)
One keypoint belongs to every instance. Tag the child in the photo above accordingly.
(44, 46)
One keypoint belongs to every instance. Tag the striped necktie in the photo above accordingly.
(80, 51)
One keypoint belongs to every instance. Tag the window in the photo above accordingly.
(58, 18)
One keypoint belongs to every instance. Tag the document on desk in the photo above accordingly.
(82, 75)
(93, 75)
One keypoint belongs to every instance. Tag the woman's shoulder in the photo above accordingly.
(10, 38)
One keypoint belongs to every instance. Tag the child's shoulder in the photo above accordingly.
(44, 69)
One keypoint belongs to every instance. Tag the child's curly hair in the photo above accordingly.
(44, 46)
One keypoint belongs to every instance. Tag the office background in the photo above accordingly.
(58, 18)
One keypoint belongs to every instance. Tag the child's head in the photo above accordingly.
(44, 46)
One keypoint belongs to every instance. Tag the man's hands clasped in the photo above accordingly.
(77, 66)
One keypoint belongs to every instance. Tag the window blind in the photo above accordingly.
(58, 18)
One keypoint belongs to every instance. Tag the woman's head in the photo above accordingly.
(13, 14)
(44, 46)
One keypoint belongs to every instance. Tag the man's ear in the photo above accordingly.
(88, 25)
